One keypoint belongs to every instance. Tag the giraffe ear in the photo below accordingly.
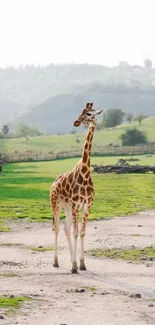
(91, 107)
(99, 112)
(87, 105)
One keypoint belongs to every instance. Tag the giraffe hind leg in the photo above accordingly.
(56, 217)
(67, 229)
(82, 236)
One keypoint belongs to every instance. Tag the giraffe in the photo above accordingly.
(74, 191)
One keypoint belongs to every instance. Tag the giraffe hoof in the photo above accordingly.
(74, 271)
(55, 265)
(83, 268)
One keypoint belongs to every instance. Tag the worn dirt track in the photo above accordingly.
(108, 283)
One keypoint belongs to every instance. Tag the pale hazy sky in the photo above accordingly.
(78, 31)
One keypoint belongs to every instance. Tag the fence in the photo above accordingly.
(97, 151)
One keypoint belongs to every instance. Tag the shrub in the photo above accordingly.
(132, 137)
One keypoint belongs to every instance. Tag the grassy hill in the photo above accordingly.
(58, 113)
(8, 109)
(57, 143)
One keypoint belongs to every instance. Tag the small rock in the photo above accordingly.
(95, 227)
(143, 258)
(136, 295)
(80, 290)
(40, 246)
(139, 225)
(151, 305)
(41, 289)
(12, 296)
(1, 317)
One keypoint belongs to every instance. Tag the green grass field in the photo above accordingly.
(67, 142)
(24, 191)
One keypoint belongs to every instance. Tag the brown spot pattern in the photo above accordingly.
(70, 178)
(75, 189)
(80, 179)
(64, 182)
(84, 169)
(67, 187)
(75, 197)
(86, 146)
(89, 146)
(90, 182)
(64, 193)
(89, 190)
(87, 175)
(85, 156)
(82, 190)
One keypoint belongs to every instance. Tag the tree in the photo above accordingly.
(140, 118)
(131, 137)
(98, 126)
(148, 64)
(129, 117)
(24, 130)
(113, 117)
(5, 130)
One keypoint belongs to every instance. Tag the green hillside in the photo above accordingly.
(57, 114)
(57, 143)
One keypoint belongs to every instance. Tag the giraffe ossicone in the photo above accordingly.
(74, 191)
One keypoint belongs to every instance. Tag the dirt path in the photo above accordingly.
(108, 284)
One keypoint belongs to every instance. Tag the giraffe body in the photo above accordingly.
(74, 191)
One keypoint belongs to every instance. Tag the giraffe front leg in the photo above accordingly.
(82, 236)
(76, 232)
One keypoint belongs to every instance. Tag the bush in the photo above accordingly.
(132, 137)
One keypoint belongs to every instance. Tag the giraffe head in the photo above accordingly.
(87, 116)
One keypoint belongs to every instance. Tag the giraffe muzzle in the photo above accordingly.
(76, 123)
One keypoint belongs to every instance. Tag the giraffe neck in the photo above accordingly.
(88, 145)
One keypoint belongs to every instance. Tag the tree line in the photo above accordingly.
(130, 137)
(111, 119)
(22, 130)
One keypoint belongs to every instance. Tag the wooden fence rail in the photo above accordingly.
(97, 151)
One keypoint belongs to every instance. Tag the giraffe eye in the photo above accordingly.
(88, 114)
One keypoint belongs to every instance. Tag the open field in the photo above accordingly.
(111, 292)
(118, 286)
(24, 190)
(67, 142)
